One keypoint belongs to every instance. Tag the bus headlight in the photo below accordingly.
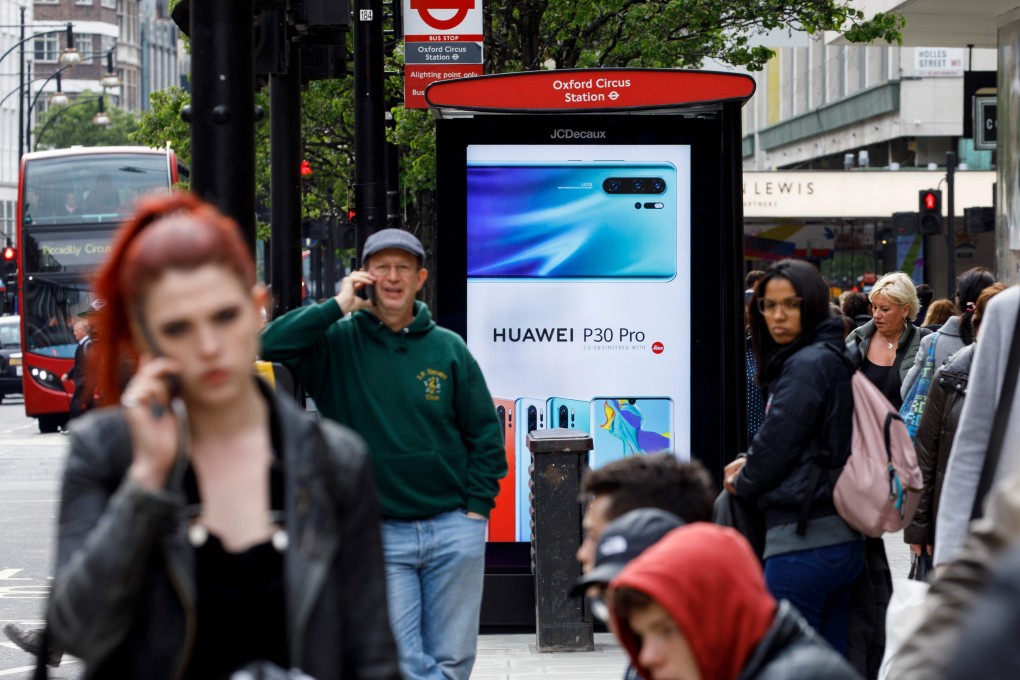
(50, 381)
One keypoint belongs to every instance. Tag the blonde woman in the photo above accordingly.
(888, 343)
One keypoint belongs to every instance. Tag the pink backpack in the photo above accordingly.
(880, 486)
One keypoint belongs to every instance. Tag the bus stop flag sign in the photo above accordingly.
(442, 40)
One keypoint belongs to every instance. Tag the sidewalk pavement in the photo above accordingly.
(514, 657)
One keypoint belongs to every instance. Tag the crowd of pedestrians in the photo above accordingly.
(208, 524)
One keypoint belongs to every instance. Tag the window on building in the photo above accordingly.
(110, 4)
(85, 44)
(47, 48)
(83, 2)
(106, 44)
(47, 2)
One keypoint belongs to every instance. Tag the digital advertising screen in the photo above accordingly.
(577, 284)
(577, 273)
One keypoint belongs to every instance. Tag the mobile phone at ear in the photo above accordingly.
(367, 293)
(173, 382)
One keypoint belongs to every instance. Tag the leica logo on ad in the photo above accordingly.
(658, 348)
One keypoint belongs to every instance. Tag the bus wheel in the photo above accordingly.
(51, 422)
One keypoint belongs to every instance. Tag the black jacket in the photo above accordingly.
(808, 414)
(792, 650)
(77, 372)
(934, 440)
(124, 594)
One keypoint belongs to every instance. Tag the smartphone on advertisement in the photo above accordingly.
(530, 417)
(629, 426)
(573, 220)
(572, 414)
(503, 518)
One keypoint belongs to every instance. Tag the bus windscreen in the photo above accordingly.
(89, 189)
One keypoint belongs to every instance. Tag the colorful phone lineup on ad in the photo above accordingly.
(580, 220)
(503, 518)
(571, 414)
(530, 417)
(629, 426)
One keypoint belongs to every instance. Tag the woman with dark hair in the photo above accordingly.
(957, 332)
(207, 524)
(812, 557)
(937, 430)
(856, 306)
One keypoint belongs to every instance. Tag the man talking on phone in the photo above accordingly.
(373, 359)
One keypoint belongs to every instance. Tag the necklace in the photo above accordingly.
(198, 533)
(888, 343)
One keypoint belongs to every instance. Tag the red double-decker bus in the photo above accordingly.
(70, 203)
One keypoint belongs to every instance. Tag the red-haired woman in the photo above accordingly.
(207, 524)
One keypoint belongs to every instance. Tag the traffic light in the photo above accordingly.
(905, 223)
(10, 257)
(929, 207)
(977, 220)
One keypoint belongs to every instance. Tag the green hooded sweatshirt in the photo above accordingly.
(416, 396)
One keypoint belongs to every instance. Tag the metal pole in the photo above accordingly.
(369, 126)
(951, 224)
(223, 108)
(285, 183)
(21, 90)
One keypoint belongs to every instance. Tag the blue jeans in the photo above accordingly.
(434, 573)
(819, 584)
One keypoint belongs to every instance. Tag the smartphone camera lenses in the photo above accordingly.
(563, 416)
(532, 419)
(634, 185)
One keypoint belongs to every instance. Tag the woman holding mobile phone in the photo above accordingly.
(206, 523)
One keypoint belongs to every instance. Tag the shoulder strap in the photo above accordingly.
(1002, 409)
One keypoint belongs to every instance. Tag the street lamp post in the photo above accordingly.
(68, 57)
(100, 119)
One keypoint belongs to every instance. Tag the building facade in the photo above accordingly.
(823, 109)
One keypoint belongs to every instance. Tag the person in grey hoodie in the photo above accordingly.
(974, 431)
(957, 332)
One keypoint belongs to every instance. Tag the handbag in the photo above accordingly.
(917, 397)
(921, 568)
(905, 615)
(743, 515)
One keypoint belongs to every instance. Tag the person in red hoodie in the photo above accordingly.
(694, 606)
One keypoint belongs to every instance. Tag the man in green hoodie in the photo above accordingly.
(373, 359)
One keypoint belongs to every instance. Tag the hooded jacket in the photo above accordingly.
(934, 440)
(948, 342)
(709, 581)
(124, 594)
(416, 396)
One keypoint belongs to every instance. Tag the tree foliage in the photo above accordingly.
(71, 125)
(531, 34)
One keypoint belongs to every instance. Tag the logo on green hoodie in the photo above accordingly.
(433, 381)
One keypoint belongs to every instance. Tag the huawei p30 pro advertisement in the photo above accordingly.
(578, 299)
